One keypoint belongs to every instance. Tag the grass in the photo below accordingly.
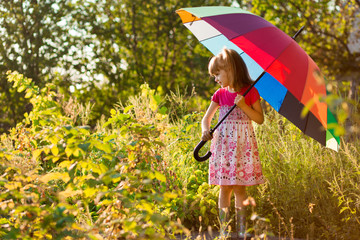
(309, 187)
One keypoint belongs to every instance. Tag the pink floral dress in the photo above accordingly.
(235, 157)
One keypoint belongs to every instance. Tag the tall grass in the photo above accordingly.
(314, 187)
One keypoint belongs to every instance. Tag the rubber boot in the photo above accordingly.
(240, 216)
(224, 222)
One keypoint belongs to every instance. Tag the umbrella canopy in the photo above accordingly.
(289, 80)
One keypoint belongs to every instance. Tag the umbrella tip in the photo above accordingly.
(298, 32)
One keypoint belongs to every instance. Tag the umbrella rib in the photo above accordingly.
(193, 19)
(212, 37)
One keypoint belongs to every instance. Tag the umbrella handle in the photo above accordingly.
(202, 143)
(196, 152)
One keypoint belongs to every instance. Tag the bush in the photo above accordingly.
(103, 183)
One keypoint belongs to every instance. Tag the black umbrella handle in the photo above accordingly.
(196, 152)
(202, 142)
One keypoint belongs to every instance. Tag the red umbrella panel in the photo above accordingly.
(291, 81)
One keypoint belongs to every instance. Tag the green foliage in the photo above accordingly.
(201, 199)
(28, 212)
(133, 176)
(108, 181)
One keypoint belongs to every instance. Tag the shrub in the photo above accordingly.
(103, 183)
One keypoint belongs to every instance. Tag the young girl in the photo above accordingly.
(234, 163)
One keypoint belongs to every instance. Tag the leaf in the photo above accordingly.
(68, 127)
(163, 110)
(189, 127)
(36, 153)
(109, 138)
(84, 146)
(55, 176)
(12, 185)
(129, 226)
(65, 164)
(101, 146)
(170, 195)
(55, 150)
(108, 156)
(69, 192)
(160, 143)
(108, 123)
(69, 151)
(203, 210)
(3, 221)
(343, 209)
(89, 192)
(113, 112)
(53, 139)
(76, 152)
(128, 108)
(153, 104)
(55, 159)
(21, 88)
(46, 150)
(33, 143)
(98, 168)
(28, 93)
(160, 176)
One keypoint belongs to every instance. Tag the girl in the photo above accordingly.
(235, 162)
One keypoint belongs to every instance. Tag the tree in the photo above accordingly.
(33, 39)
(137, 41)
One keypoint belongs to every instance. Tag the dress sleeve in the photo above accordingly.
(252, 96)
(215, 97)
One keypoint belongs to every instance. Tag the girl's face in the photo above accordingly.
(222, 78)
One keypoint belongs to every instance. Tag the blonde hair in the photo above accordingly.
(231, 62)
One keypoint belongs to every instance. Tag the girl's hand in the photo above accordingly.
(240, 101)
(206, 135)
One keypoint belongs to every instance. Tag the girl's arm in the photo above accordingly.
(206, 121)
(254, 112)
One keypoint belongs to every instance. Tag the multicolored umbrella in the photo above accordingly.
(287, 78)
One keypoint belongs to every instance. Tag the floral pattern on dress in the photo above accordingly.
(235, 157)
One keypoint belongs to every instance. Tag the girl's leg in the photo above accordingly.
(225, 196)
(240, 196)
(224, 204)
(240, 212)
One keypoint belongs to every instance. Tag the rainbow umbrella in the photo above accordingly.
(286, 77)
